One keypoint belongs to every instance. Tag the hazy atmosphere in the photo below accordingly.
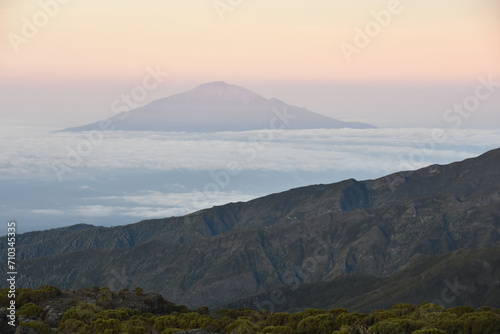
(68, 67)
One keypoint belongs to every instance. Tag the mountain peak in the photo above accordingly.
(218, 106)
(218, 92)
(216, 84)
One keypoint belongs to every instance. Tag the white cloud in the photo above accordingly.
(48, 212)
(178, 203)
(379, 150)
(151, 204)
(151, 213)
(175, 186)
(96, 210)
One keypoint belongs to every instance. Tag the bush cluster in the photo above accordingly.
(98, 318)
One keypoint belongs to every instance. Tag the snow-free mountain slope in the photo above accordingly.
(219, 106)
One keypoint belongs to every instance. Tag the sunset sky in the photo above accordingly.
(88, 52)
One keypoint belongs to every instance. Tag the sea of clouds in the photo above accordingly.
(53, 179)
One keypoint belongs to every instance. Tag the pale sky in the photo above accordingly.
(80, 58)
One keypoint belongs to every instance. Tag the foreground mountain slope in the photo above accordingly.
(371, 229)
(463, 277)
(217, 270)
(218, 106)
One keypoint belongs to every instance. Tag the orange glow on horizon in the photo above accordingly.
(96, 41)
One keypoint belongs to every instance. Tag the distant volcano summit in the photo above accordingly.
(218, 106)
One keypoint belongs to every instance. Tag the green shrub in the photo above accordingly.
(195, 320)
(241, 326)
(381, 315)
(181, 309)
(397, 326)
(188, 320)
(105, 298)
(345, 330)
(294, 320)
(122, 293)
(322, 323)
(481, 322)
(30, 310)
(73, 326)
(404, 309)
(171, 331)
(430, 307)
(208, 324)
(429, 331)
(203, 310)
(449, 326)
(229, 313)
(435, 317)
(84, 312)
(121, 314)
(165, 322)
(277, 330)
(367, 320)
(134, 330)
(312, 312)
(348, 319)
(144, 321)
(107, 326)
(222, 323)
(335, 312)
(39, 327)
(486, 325)
(4, 298)
(25, 295)
(461, 310)
(276, 319)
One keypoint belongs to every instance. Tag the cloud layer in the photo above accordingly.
(381, 150)
(125, 177)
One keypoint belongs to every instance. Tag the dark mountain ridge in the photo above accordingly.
(321, 234)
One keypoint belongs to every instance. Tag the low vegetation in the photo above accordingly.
(102, 311)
